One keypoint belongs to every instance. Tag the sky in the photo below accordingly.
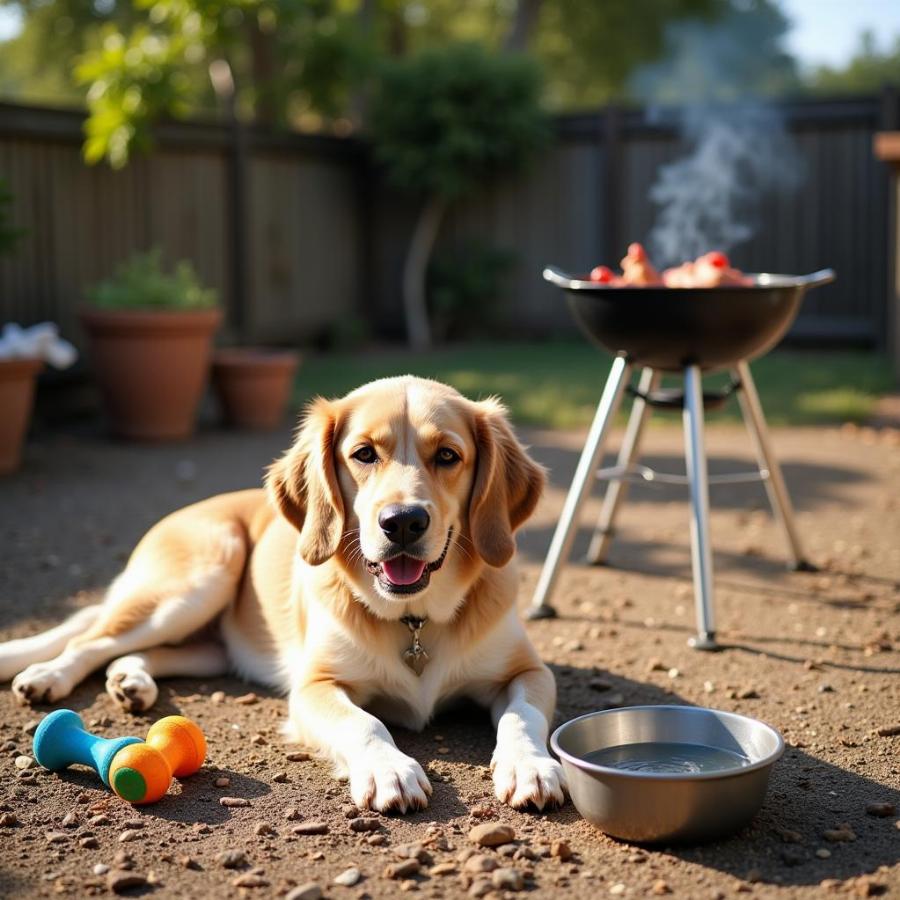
(825, 32)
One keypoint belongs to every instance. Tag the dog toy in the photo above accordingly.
(138, 771)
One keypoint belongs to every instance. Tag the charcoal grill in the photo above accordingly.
(689, 331)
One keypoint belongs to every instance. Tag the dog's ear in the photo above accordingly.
(507, 485)
(303, 485)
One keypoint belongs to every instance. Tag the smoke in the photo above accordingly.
(740, 150)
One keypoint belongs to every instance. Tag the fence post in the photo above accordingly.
(239, 208)
(612, 187)
(887, 148)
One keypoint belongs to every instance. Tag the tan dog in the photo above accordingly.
(376, 574)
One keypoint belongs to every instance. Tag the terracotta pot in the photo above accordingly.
(254, 386)
(17, 379)
(152, 368)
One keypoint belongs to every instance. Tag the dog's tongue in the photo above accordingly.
(403, 569)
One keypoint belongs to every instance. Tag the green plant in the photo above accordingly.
(445, 122)
(9, 236)
(464, 287)
(141, 283)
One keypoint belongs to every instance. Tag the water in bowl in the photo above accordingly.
(665, 758)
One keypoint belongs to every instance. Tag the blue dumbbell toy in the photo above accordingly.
(61, 740)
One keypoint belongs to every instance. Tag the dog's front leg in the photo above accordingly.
(524, 772)
(381, 777)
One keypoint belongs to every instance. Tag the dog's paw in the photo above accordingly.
(42, 683)
(528, 779)
(386, 780)
(134, 690)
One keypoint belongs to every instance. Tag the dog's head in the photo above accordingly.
(408, 484)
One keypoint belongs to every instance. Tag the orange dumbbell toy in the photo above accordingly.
(142, 773)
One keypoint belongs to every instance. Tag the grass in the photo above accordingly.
(558, 384)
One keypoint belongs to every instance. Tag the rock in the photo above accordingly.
(280, 777)
(376, 840)
(56, 837)
(217, 696)
(348, 877)
(188, 862)
(89, 842)
(660, 887)
(261, 828)
(292, 814)
(507, 879)
(249, 880)
(298, 756)
(9, 820)
(823, 853)
(841, 835)
(350, 811)
(234, 802)
(232, 859)
(881, 810)
(259, 740)
(888, 731)
(308, 891)
(599, 685)
(444, 868)
(223, 782)
(310, 828)
(789, 837)
(561, 850)
(748, 694)
(119, 881)
(100, 869)
(123, 860)
(247, 699)
(130, 834)
(99, 819)
(31, 727)
(364, 824)
(480, 862)
(480, 888)
(23, 762)
(414, 851)
(617, 889)
(71, 820)
(404, 869)
(492, 834)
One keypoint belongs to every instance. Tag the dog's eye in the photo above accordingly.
(365, 455)
(446, 457)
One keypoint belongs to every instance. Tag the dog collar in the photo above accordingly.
(415, 656)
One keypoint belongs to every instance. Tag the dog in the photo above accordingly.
(372, 578)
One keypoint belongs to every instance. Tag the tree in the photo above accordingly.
(443, 122)
(868, 70)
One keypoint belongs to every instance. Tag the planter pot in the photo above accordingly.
(254, 386)
(151, 368)
(17, 378)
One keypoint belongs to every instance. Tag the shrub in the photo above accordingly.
(141, 283)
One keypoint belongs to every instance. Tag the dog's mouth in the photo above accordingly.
(405, 574)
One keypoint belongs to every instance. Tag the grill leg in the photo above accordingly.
(581, 487)
(701, 554)
(779, 498)
(616, 490)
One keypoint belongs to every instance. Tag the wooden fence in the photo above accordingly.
(301, 234)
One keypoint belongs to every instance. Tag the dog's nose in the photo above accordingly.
(404, 524)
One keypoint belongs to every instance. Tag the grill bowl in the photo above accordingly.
(670, 328)
(652, 807)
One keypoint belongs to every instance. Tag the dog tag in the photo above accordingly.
(416, 658)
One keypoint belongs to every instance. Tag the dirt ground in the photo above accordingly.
(813, 654)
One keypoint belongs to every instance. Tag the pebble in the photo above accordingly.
(823, 853)
(599, 685)
(480, 888)
(660, 887)
(298, 756)
(888, 731)
(404, 869)
(123, 860)
(280, 777)
(232, 859)
(188, 862)
(480, 862)
(259, 740)
(217, 696)
(130, 834)
(376, 840)
(99, 819)
(224, 781)
(348, 877)
(89, 842)
(24, 762)
(364, 824)
(249, 880)
(56, 837)
(444, 868)
(119, 881)
(561, 850)
(881, 810)
(841, 835)
(32, 727)
(261, 828)
(350, 811)
(492, 834)
(233, 801)
(617, 889)
(247, 699)
(308, 891)
(101, 869)
(8, 820)
(292, 814)
(310, 828)
(507, 879)
(71, 820)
